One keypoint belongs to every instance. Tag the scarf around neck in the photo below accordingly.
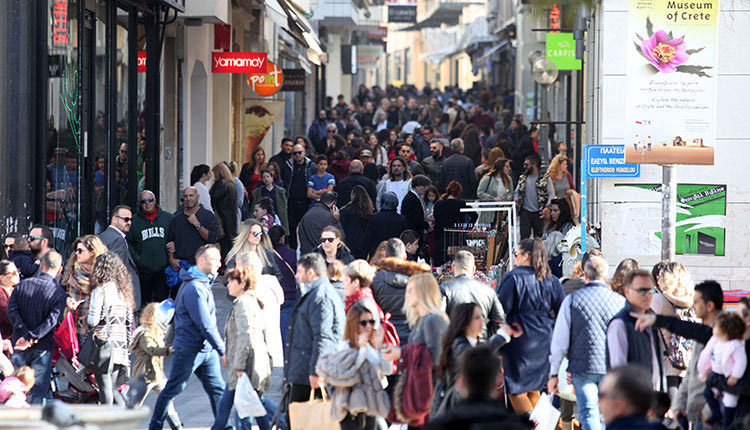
(362, 293)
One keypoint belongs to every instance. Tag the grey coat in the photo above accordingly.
(116, 243)
(246, 343)
(465, 289)
(316, 326)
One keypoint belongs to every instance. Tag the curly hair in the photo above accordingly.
(109, 268)
(731, 324)
(90, 242)
(675, 281)
(555, 169)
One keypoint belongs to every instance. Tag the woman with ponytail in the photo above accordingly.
(531, 297)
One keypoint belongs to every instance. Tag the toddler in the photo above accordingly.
(724, 354)
(263, 212)
(13, 389)
(150, 349)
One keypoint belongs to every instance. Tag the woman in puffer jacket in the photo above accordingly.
(357, 372)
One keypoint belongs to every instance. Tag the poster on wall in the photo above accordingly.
(701, 218)
(671, 82)
(260, 115)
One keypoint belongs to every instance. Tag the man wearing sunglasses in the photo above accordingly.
(114, 238)
(625, 344)
(147, 240)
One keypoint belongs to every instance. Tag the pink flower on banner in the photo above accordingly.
(665, 53)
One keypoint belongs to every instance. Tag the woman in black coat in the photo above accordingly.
(354, 218)
(224, 203)
(413, 206)
(385, 224)
(447, 213)
(465, 327)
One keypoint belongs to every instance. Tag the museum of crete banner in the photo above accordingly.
(671, 82)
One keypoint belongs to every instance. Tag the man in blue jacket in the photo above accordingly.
(197, 344)
(35, 308)
(316, 326)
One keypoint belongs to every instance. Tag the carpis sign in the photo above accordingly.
(239, 62)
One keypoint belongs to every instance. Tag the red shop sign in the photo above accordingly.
(239, 62)
(60, 22)
(268, 82)
(141, 61)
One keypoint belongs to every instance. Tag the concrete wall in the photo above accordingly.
(198, 98)
(621, 222)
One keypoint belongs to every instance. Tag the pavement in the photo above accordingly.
(192, 404)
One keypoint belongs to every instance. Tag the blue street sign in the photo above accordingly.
(608, 161)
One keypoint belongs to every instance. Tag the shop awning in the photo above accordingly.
(445, 13)
(494, 48)
(475, 34)
(297, 26)
(439, 44)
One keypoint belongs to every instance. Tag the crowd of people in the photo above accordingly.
(330, 251)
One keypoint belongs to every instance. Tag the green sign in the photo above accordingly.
(561, 49)
(701, 215)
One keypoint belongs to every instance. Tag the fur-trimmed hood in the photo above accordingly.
(404, 267)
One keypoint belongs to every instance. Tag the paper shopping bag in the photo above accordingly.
(314, 414)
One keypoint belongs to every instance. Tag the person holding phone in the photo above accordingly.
(76, 279)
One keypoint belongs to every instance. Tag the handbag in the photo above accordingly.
(246, 399)
(314, 414)
(96, 353)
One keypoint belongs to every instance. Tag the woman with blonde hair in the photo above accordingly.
(424, 313)
(250, 174)
(675, 299)
(563, 183)
(76, 279)
(253, 239)
(224, 203)
(111, 317)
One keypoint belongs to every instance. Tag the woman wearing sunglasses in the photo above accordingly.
(358, 358)
(9, 278)
(251, 238)
(332, 248)
(76, 278)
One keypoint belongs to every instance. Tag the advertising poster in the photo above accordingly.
(368, 56)
(259, 117)
(671, 82)
(701, 218)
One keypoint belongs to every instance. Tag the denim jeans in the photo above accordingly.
(286, 313)
(205, 365)
(586, 386)
(41, 362)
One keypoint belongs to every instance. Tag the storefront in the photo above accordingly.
(87, 111)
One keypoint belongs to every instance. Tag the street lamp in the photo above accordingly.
(544, 72)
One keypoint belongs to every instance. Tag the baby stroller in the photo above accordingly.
(68, 371)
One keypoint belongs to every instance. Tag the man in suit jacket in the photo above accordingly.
(114, 238)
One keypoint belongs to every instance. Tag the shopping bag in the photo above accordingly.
(246, 399)
(314, 414)
(544, 416)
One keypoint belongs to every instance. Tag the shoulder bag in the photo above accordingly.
(96, 353)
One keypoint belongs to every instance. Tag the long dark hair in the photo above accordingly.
(459, 319)
(109, 268)
(564, 217)
(361, 202)
(535, 248)
(498, 167)
(197, 172)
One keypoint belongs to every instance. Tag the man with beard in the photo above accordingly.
(285, 154)
(398, 182)
(533, 193)
(317, 132)
(433, 164)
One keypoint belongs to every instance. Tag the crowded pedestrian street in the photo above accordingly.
(374, 215)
